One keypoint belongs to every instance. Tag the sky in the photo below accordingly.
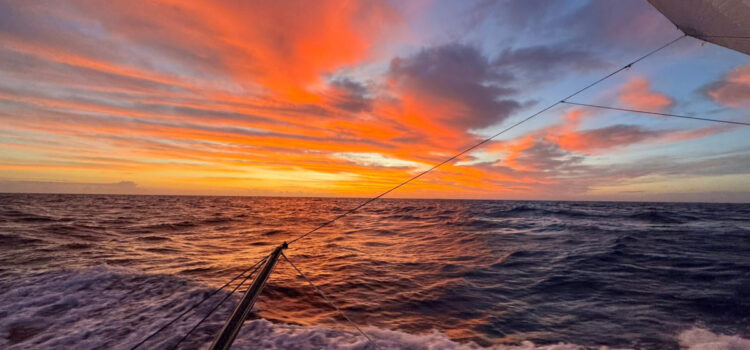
(349, 98)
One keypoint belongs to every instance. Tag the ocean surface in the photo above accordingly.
(104, 272)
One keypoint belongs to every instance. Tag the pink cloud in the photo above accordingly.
(734, 90)
(637, 93)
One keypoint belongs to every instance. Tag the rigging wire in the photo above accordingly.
(163, 327)
(325, 297)
(368, 201)
(258, 265)
(655, 113)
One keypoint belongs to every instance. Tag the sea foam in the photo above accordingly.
(115, 308)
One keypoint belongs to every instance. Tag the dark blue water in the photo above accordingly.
(82, 271)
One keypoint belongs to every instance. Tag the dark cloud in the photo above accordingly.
(352, 86)
(458, 73)
(547, 156)
(730, 164)
(544, 62)
(350, 95)
(564, 174)
(590, 141)
(728, 93)
(733, 90)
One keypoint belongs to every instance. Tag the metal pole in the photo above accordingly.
(226, 337)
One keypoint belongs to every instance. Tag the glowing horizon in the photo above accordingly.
(348, 99)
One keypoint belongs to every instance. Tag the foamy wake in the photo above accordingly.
(701, 339)
(267, 335)
(114, 308)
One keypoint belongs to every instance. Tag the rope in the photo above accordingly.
(656, 113)
(330, 302)
(487, 139)
(194, 306)
(258, 265)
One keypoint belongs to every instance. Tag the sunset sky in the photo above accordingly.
(348, 98)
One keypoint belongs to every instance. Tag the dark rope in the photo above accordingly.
(486, 140)
(258, 265)
(655, 113)
(194, 306)
(330, 302)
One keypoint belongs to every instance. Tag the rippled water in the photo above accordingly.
(79, 271)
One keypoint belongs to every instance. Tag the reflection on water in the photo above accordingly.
(490, 272)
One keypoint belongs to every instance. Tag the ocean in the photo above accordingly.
(105, 271)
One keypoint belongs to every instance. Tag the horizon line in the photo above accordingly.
(355, 197)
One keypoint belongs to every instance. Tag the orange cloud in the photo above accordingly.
(286, 46)
(637, 94)
(282, 47)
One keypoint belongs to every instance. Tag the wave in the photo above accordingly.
(217, 220)
(650, 216)
(658, 217)
(157, 239)
(167, 226)
(21, 216)
(520, 209)
(9, 239)
(98, 308)
(108, 307)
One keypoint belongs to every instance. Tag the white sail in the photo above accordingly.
(722, 22)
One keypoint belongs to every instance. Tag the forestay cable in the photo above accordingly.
(330, 302)
(488, 139)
